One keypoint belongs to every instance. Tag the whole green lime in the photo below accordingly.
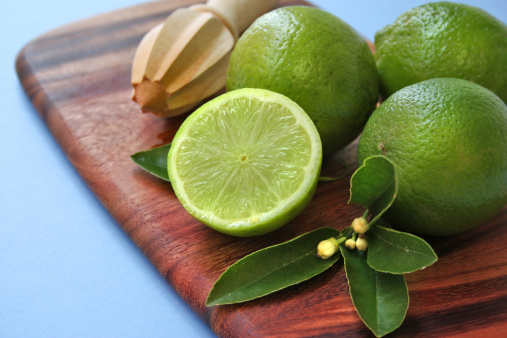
(443, 39)
(448, 139)
(315, 59)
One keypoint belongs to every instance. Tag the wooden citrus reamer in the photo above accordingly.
(184, 59)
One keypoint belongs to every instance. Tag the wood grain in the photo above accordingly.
(78, 79)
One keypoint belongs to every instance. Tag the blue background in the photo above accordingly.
(66, 268)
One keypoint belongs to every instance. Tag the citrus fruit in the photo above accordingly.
(448, 139)
(442, 39)
(246, 162)
(315, 59)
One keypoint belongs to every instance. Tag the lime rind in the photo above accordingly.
(246, 162)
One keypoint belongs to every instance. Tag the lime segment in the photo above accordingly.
(246, 162)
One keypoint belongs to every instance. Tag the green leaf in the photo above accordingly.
(273, 268)
(380, 299)
(374, 185)
(398, 252)
(154, 161)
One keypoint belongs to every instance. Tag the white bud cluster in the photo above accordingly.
(359, 241)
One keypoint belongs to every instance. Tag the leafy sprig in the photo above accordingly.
(375, 276)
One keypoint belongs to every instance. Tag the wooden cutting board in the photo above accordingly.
(78, 79)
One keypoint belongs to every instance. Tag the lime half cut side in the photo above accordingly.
(246, 162)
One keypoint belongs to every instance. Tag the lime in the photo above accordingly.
(315, 59)
(443, 39)
(448, 138)
(246, 162)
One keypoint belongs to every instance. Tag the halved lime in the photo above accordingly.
(246, 162)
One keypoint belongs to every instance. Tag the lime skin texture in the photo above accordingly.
(448, 139)
(443, 39)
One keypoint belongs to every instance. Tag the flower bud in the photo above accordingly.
(327, 248)
(360, 225)
(362, 244)
(350, 244)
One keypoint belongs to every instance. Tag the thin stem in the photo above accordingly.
(347, 232)
(341, 239)
(366, 213)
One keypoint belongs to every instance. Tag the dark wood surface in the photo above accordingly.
(78, 79)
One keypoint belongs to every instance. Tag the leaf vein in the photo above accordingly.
(269, 274)
(400, 247)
